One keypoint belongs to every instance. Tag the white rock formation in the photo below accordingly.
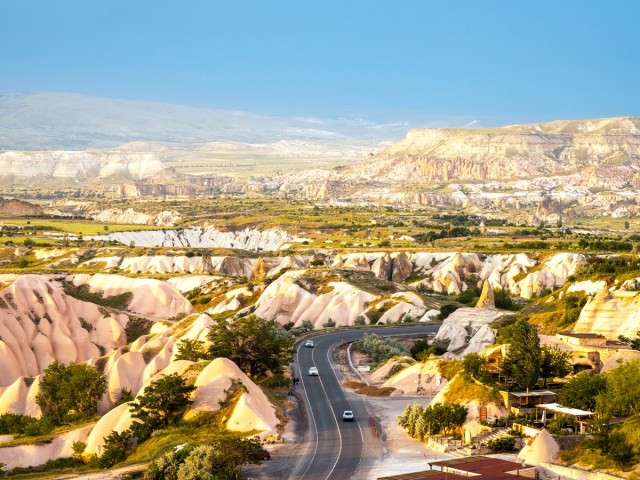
(611, 313)
(467, 330)
(131, 216)
(284, 300)
(151, 298)
(206, 237)
(28, 455)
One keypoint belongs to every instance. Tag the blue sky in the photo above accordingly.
(498, 61)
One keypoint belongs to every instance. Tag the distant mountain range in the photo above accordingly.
(70, 121)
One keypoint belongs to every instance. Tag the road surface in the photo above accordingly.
(336, 450)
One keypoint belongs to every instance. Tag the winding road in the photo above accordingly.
(335, 449)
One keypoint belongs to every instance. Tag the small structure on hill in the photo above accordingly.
(522, 403)
(546, 410)
(583, 339)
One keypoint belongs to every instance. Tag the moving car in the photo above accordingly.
(313, 372)
(347, 416)
(309, 343)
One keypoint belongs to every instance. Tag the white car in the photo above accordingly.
(309, 343)
(347, 416)
(313, 372)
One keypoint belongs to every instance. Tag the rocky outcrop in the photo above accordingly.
(206, 237)
(486, 299)
(80, 164)
(19, 207)
(611, 313)
(535, 150)
(467, 330)
(131, 216)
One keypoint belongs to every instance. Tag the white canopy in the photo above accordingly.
(556, 407)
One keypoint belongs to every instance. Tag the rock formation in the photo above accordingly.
(19, 208)
(486, 299)
(611, 313)
(445, 154)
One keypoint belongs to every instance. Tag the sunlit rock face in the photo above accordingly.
(518, 151)
(80, 164)
(205, 237)
(611, 313)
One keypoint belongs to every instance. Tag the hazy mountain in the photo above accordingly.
(70, 121)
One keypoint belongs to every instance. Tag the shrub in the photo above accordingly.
(329, 323)
(115, 449)
(447, 310)
(504, 444)
(380, 350)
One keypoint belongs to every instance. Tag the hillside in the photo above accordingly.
(517, 151)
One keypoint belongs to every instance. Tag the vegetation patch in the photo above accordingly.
(463, 390)
(449, 368)
(373, 391)
(82, 292)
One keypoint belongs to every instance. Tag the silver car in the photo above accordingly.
(313, 372)
(348, 416)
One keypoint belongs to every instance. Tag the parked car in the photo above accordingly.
(347, 416)
(313, 372)
(261, 454)
(309, 343)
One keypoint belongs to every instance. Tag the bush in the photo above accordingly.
(504, 444)
(422, 349)
(447, 310)
(380, 350)
(115, 449)
(329, 323)
(166, 467)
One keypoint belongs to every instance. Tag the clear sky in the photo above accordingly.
(499, 61)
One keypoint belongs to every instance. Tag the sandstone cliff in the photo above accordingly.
(19, 207)
(518, 151)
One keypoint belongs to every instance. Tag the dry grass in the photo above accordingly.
(372, 391)
(462, 390)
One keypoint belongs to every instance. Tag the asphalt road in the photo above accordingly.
(335, 449)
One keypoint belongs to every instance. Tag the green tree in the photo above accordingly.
(167, 466)
(76, 389)
(622, 397)
(162, 402)
(192, 350)
(582, 390)
(452, 416)
(632, 342)
(254, 344)
(221, 460)
(503, 300)
(620, 450)
(115, 449)
(554, 363)
(522, 363)
(474, 365)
